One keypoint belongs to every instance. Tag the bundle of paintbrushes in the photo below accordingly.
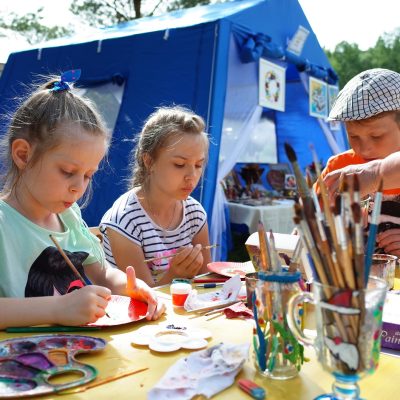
(334, 235)
(334, 238)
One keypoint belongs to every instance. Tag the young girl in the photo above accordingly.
(53, 147)
(157, 217)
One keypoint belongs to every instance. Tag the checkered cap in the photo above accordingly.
(367, 94)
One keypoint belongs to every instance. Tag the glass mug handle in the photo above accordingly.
(304, 297)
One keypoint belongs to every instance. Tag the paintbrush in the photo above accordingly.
(344, 252)
(84, 279)
(318, 233)
(275, 260)
(301, 182)
(373, 228)
(328, 214)
(265, 253)
(356, 189)
(309, 240)
(295, 260)
(173, 255)
(102, 381)
(315, 159)
(358, 234)
(346, 202)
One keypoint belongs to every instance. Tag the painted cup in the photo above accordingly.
(277, 353)
(348, 327)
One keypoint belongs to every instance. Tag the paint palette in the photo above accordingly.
(122, 310)
(230, 269)
(29, 364)
(171, 337)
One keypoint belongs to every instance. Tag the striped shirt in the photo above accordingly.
(128, 218)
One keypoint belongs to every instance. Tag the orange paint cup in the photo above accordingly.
(180, 289)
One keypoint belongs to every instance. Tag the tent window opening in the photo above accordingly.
(107, 98)
(261, 146)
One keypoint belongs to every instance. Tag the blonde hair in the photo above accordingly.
(37, 119)
(160, 126)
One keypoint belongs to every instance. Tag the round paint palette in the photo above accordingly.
(230, 269)
(27, 364)
(170, 337)
(122, 310)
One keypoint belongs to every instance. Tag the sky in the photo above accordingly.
(333, 21)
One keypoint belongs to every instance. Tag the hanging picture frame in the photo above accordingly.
(272, 85)
(318, 98)
(333, 91)
(298, 40)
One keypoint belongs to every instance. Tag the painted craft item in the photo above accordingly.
(28, 364)
(122, 310)
(228, 294)
(277, 353)
(230, 269)
(349, 324)
(170, 337)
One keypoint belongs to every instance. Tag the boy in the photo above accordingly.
(369, 105)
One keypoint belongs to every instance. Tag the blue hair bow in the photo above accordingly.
(68, 76)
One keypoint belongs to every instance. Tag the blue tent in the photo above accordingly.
(183, 58)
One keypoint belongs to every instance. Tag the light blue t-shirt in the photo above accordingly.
(31, 265)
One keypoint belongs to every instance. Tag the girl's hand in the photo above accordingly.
(187, 262)
(139, 290)
(390, 241)
(83, 306)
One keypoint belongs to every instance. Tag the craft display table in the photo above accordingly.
(278, 216)
(119, 355)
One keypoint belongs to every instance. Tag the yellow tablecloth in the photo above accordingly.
(120, 355)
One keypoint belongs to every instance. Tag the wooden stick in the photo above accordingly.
(85, 280)
(173, 255)
(102, 381)
(265, 254)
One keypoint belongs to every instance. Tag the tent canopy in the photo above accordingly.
(181, 58)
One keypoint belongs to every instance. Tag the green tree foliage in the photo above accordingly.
(102, 13)
(30, 26)
(179, 4)
(348, 60)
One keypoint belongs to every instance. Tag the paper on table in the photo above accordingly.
(226, 295)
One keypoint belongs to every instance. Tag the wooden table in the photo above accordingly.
(120, 355)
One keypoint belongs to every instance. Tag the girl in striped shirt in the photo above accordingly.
(157, 216)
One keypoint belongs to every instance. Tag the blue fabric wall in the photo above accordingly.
(187, 64)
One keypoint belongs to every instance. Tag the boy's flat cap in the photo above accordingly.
(367, 94)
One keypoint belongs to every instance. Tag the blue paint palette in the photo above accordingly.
(27, 364)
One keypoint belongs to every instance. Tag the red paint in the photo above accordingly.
(179, 299)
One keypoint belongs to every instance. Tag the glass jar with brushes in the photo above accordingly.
(277, 353)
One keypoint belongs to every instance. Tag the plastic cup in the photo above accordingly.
(180, 289)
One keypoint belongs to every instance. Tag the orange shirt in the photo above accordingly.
(344, 159)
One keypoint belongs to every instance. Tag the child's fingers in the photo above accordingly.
(182, 253)
(155, 310)
(102, 291)
(130, 279)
